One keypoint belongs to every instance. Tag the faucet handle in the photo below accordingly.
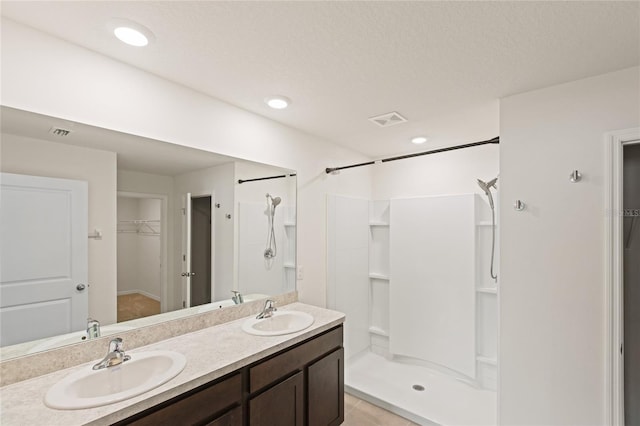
(116, 345)
(270, 304)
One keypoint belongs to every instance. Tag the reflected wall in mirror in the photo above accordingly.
(129, 231)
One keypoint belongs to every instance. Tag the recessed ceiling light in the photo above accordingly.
(130, 32)
(131, 36)
(418, 140)
(277, 102)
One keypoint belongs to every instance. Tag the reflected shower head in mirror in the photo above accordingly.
(271, 251)
(274, 201)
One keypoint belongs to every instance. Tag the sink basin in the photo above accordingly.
(92, 388)
(282, 322)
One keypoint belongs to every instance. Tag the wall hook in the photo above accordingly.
(575, 176)
(518, 205)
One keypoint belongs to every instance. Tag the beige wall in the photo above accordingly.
(42, 158)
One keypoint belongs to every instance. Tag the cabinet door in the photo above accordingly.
(232, 418)
(325, 383)
(282, 405)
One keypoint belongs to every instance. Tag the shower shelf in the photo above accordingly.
(289, 265)
(289, 224)
(378, 331)
(487, 360)
(376, 276)
(484, 224)
(378, 223)
(487, 290)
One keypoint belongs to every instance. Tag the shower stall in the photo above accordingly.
(417, 280)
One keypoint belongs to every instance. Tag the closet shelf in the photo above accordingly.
(487, 290)
(139, 226)
(376, 276)
(487, 360)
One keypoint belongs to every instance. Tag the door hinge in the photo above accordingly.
(184, 211)
(621, 349)
(184, 257)
(184, 304)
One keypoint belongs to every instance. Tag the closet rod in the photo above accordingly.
(265, 178)
(495, 140)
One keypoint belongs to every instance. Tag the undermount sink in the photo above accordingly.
(93, 388)
(281, 322)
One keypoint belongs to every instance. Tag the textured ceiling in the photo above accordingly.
(442, 65)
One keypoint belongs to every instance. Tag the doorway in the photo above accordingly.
(141, 288)
(623, 276)
(198, 229)
(201, 250)
(631, 281)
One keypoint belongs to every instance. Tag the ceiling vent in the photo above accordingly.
(59, 131)
(388, 119)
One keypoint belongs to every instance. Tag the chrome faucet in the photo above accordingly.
(237, 297)
(268, 310)
(115, 355)
(93, 328)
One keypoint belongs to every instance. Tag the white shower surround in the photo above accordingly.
(361, 274)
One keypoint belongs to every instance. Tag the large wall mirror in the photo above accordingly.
(101, 227)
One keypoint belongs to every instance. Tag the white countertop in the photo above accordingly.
(211, 353)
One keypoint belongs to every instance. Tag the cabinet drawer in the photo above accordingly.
(232, 418)
(194, 408)
(294, 359)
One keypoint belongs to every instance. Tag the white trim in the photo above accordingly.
(142, 292)
(614, 360)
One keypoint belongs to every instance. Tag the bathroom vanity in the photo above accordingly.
(303, 385)
(230, 378)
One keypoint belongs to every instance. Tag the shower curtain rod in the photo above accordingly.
(265, 178)
(495, 140)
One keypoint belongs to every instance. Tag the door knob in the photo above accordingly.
(80, 287)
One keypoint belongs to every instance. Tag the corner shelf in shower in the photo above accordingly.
(484, 223)
(487, 290)
(289, 224)
(378, 331)
(289, 265)
(372, 223)
(487, 360)
(376, 276)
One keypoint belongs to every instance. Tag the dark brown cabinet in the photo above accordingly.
(325, 390)
(281, 405)
(299, 386)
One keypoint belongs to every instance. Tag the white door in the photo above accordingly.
(43, 257)
(186, 250)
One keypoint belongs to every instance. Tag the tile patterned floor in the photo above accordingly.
(361, 413)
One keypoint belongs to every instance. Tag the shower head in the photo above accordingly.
(486, 187)
(274, 201)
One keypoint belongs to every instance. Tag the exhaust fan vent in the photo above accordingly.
(59, 131)
(388, 119)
